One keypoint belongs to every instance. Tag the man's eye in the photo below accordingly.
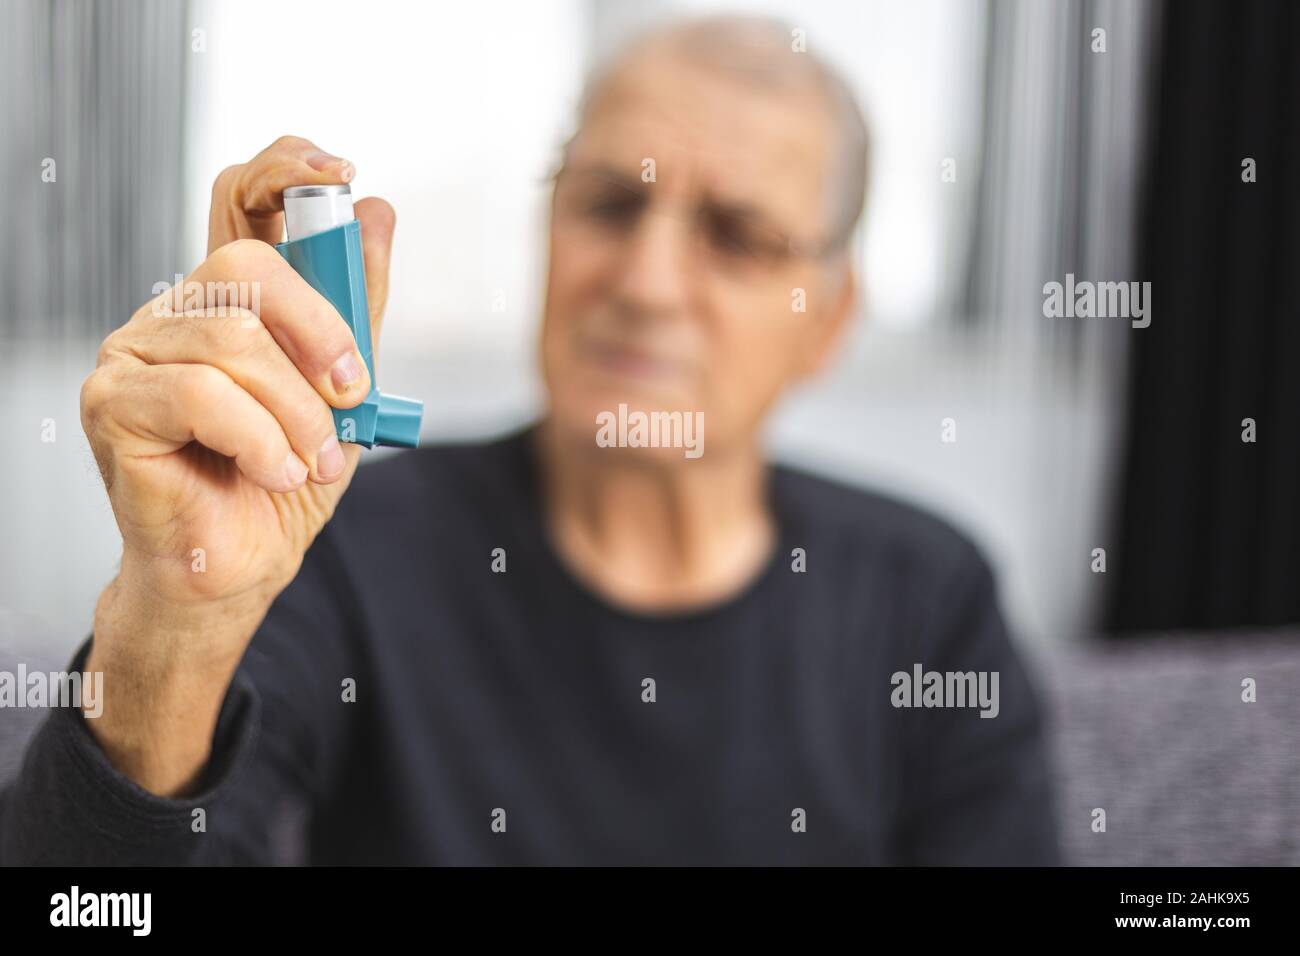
(736, 238)
(614, 210)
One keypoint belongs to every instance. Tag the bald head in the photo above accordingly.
(758, 54)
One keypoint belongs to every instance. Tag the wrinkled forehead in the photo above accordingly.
(712, 134)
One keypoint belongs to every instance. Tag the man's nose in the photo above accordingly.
(655, 270)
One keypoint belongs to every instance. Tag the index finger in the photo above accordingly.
(302, 321)
(247, 201)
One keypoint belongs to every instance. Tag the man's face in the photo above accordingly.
(672, 284)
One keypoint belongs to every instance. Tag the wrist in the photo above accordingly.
(136, 623)
(165, 669)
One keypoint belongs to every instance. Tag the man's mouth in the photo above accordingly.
(631, 362)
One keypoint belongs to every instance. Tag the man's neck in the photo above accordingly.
(656, 535)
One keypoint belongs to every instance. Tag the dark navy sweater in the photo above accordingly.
(405, 702)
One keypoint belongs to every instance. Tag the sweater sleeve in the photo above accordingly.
(279, 741)
(977, 789)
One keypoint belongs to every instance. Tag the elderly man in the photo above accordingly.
(568, 646)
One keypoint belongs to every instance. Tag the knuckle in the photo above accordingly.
(221, 186)
(241, 257)
(100, 396)
(238, 339)
(290, 143)
(200, 385)
(309, 424)
(95, 392)
(246, 326)
(94, 396)
(157, 307)
(109, 347)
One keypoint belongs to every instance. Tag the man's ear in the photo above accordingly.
(826, 331)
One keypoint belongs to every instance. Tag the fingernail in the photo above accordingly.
(346, 372)
(322, 160)
(295, 470)
(330, 461)
(347, 171)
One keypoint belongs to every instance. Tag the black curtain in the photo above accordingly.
(1208, 526)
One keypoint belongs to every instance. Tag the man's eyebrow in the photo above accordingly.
(742, 211)
(603, 171)
(737, 209)
(733, 208)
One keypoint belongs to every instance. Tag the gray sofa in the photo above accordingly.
(1155, 732)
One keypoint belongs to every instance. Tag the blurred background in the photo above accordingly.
(1014, 142)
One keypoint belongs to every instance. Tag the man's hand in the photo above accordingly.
(213, 431)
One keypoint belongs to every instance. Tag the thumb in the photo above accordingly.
(377, 222)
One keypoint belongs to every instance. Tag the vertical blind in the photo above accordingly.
(90, 152)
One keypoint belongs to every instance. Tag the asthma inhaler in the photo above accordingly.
(324, 247)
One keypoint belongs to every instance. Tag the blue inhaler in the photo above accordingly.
(324, 247)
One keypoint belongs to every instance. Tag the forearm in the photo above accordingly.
(166, 671)
(195, 753)
(70, 806)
